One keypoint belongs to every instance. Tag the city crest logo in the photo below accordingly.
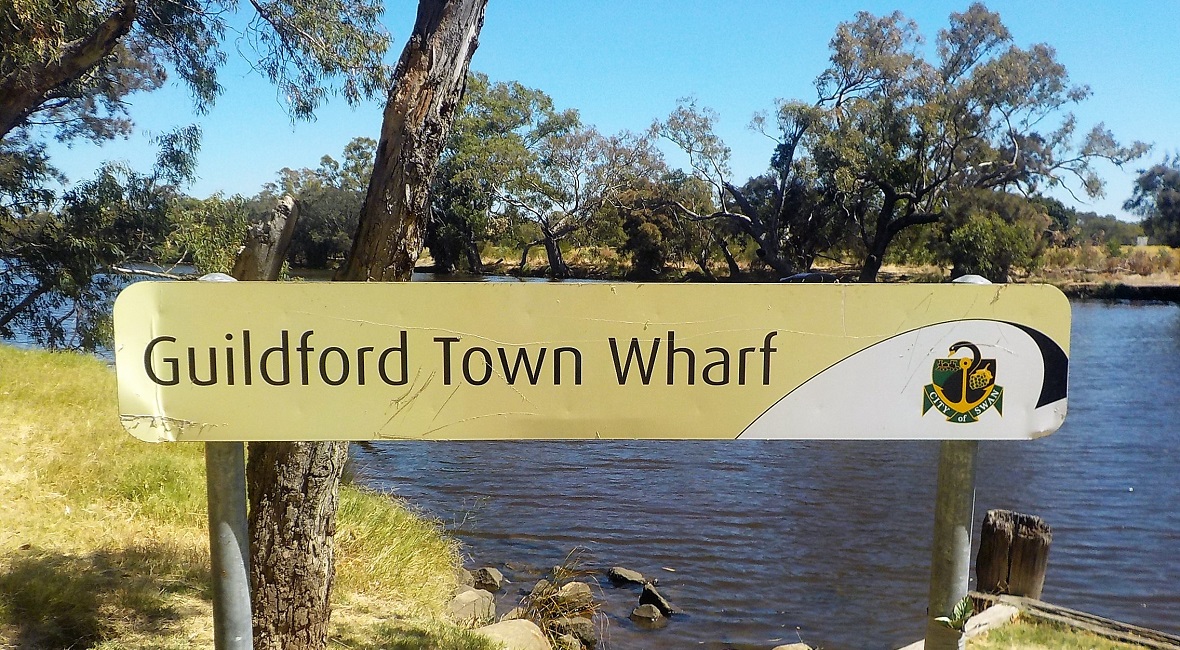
(964, 387)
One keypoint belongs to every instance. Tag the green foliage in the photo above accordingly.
(492, 154)
(989, 233)
(1156, 198)
(56, 280)
(330, 200)
(893, 134)
(207, 233)
(74, 63)
(959, 615)
(512, 159)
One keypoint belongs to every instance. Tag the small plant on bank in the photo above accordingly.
(551, 602)
(959, 615)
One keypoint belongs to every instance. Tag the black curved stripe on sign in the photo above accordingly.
(1055, 385)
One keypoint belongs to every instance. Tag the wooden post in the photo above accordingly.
(1013, 554)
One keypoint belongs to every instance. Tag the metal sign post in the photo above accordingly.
(229, 545)
(950, 560)
(229, 537)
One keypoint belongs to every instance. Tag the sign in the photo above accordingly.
(450, 361)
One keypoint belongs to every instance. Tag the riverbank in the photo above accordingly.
(1145, 273)
(104, 538)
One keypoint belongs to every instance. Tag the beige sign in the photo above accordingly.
(449, 361)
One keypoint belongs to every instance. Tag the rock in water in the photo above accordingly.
(652, 597)
(620, 576)
(648, 616)
(574, 596)
(488, 578)
(582, 628)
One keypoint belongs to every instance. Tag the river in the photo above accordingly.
(769, 542)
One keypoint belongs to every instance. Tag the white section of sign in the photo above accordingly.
(879, 390)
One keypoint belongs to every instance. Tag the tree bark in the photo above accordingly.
(428, 85)
(294, 490)
(558, 269)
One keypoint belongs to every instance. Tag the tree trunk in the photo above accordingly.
(293, 490)
(735, 271)
(881, 238)
(289, 485)
(871, 267)
(558, 269)
(294, 486)
(428, 85)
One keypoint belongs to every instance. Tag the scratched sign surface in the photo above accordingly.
(446, 361)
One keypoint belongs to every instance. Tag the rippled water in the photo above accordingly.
(764, 542)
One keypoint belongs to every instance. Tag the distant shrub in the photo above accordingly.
(1060, 258)
(1088, 256)
(1167, 261)
(1141, 262)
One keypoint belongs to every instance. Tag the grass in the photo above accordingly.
(104, 542)
(1032, 635)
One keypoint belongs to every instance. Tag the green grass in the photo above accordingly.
(1032, 635)
(104, 542)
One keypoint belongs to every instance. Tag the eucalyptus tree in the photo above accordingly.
(785, 212)
(894, 135)
(497, 134)
(294, 487)
(573, 179)
(330, 198)
(70, 65)
(1156, 198)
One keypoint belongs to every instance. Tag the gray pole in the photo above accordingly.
(229, 537)
(229, 545)
(950, 560)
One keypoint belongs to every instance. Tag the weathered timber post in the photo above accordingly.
(261, 258)
(1013, 554)
(951, 555)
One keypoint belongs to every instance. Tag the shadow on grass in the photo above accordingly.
(54, 600)
(408, 636)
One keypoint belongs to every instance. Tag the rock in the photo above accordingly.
(463, 577)
(581, 628)
(792, 646)
(513, 614)
(474, 605)
(488, 578)
(574, 595)
(648, 616)
(517, 634)
(652, 597)
(567, 642)
(620, 576)
(541, 588)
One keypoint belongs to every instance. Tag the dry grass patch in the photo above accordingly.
(104, 540)
(1024, 634)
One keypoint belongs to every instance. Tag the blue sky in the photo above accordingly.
(623, 64)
